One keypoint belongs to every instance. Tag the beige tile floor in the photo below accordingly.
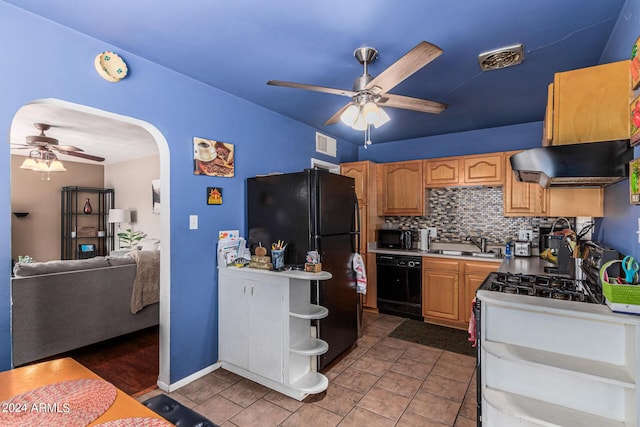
(382, 381)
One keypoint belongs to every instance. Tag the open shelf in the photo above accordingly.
(73, 219)
(600, 371)
(539, 413)
(309, 311)
(310, 347)
(311, 383)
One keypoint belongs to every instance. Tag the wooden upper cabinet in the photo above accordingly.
(547, 126)
(359, 171)
(441, 172)
(591, 104)
(480, 169)
(522, 198)
(483, 169)
(402, 191)
(576, 202)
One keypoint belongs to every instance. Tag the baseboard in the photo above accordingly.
(181, 383)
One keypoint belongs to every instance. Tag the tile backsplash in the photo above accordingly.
(458, 212)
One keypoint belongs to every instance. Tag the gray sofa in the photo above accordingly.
(59, 306)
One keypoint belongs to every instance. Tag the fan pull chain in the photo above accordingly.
(367, 137)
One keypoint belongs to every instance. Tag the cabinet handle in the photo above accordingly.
(252, 288)
(244, 290)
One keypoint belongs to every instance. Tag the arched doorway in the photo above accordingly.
(88, 121)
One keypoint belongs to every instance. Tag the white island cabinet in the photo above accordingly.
(555, 363)
(265, 329)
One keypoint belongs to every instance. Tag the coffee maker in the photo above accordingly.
(561, 249)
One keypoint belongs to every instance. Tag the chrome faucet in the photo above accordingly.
(482, 245)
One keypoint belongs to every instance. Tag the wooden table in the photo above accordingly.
(20, 380)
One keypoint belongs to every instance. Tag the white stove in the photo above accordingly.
(550, 353)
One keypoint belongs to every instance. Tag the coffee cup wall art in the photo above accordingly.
(213, 158)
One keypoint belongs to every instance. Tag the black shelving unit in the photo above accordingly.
(77, 227)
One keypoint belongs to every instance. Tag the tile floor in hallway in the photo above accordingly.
(382, 381)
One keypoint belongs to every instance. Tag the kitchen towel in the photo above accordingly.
(473, 333)
(361, 275)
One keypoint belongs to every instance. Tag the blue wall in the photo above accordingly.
(517, 137)
(46, 60)
(617, 228)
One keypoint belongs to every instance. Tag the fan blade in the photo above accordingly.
(81, 155)
(314, 88)
(67, 148)
(409, 103)
(336, 117)
(411, 62)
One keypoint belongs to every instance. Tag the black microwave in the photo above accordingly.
(395, 239)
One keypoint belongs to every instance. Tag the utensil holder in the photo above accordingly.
(277, 256)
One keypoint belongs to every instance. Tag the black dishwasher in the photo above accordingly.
(399, 285)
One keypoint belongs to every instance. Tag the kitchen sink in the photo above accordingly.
(453, 252)
(486, 255)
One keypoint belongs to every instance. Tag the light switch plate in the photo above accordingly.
(193, 222)
(525, 235)
(433, 232)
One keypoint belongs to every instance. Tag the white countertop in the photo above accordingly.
(291, 274)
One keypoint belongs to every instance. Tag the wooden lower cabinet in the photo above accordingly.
(370, 299)
(449, 286)
(440, 288)
(474, 274)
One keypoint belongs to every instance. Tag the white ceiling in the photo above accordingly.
(98, 135)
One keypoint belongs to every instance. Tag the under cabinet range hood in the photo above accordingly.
(595, 164)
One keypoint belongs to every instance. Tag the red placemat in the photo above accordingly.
(67, 403)
(137, 422)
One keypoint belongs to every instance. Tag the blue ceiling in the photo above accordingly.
(238, 46)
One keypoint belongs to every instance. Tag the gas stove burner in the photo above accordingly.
(525, 290)
(555, 282)
(552, 287)
(560, 295)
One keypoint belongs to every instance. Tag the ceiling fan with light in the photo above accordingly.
(370, 93)
(42, 157)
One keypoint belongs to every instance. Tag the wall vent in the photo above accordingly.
(325, 144)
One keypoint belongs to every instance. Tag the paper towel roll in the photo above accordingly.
(424, 239)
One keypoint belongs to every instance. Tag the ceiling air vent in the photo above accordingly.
(325, 145)
(501, 58)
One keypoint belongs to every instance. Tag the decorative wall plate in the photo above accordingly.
(111, 67)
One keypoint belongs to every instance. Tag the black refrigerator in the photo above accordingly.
(313, 210)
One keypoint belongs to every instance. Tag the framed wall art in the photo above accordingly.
(213, 158)
(634, 65)
(214, 195)
(634, 126)
(634, 181)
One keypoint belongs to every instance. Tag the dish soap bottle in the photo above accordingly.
(507, 249)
